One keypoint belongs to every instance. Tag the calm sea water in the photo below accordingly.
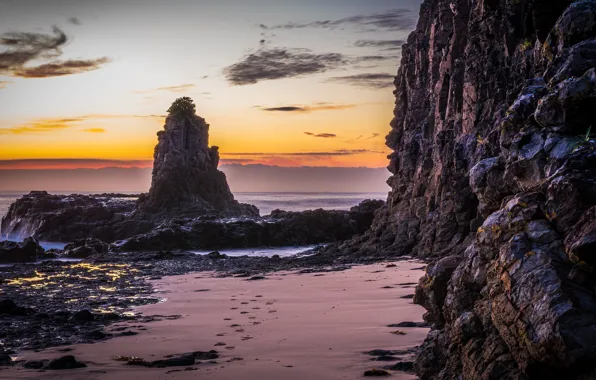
(267, 202)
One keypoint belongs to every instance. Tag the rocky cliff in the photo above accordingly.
(494, 174)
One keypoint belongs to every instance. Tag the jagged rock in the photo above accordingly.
(185, 179)
(65, 218)
(65, 362)
(494, 178)
(83, 248)
(28, 250)
(280, 228)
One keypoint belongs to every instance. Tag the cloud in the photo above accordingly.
(304, 109)
(72, 163)
(278, 63)
(374, 81)
(45, 125)
(23, 48)
(355, 139)
(60, 68)
(323, 135)
(391, 20)
(177, 88)
(74, 21)
(383, 44)
(373, 136)
(339, 152)
(94, 130)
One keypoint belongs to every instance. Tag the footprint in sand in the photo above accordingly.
(273, 311)
(244, 303)
(252, 317)
(253, 300)
(235, 325)
(244, 312)
(221, 334)
(230, 347)
(269, 303)
(227, 319)
(259, 296)
(256, 308)
(218, 344)
(256, 323)
(234, 308)
(248, 337)
(240, 330)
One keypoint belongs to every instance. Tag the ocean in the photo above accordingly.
(266, 202)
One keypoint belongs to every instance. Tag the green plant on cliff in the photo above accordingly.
(182, 106)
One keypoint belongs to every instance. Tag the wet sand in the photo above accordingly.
(289, 325)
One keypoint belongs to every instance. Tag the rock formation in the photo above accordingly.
(66, 218)
(494, 174)
(26, 251)
(280, 228)
(185, 175)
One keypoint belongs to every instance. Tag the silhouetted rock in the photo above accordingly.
(28, 250)
(83, 248)
(280, 228)
(65, 362)
(65, 218)
(186, 181)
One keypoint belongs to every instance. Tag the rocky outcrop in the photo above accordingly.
(186, 181)
(64, 218)
(26, 251)
(280, 228)
(494, 174)
(84, 248)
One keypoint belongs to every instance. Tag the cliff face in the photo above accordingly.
(494, 175)
(185, 175)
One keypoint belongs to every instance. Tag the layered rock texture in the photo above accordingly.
(494, 178)
(186, 180)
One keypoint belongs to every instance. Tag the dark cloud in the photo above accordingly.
(392, 20)
(74, 21)
(60, 68)
(373, 136)
(23, 48)
(316, 107)
(374, 58)
(379, 80)
(278, 63)
(340, 152)
(323, 135)
(382, 44)
(285, 109)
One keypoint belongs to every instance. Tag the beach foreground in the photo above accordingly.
(290, 325)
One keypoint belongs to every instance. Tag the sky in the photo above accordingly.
(85, 83)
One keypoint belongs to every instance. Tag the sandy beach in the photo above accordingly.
(287, 325)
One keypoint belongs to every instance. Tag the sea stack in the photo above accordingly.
(185, 178)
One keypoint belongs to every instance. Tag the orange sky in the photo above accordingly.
(280, 82)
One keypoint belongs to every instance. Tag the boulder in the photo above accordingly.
(26, 251)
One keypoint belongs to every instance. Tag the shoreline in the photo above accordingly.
(304, 325)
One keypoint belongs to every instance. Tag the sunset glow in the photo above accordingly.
(99, 98)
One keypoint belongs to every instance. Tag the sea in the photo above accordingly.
(266, 202)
